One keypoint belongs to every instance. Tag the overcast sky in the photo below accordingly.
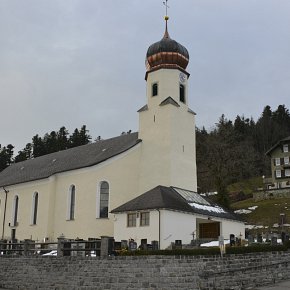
(74, 62)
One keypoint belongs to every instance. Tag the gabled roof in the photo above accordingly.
(172, 198)
(169, 100)
(144, 108)
(277, 144)
(66, 160)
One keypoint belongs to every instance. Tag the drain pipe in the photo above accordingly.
(3, 226)
(159, 229)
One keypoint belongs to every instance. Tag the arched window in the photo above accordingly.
(104, 199)
(34, 208)
(71, 203)
(154, 89)
(15, 211)
(182, 93)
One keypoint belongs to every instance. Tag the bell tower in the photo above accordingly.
(166, 124)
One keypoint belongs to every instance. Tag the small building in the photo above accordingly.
(167, 214)
(280, 164)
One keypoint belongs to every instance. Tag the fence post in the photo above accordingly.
(60, 241)
(106, 246)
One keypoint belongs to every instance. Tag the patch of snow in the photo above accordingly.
(216, 209)
(51, 253)
(246, 211)
(254, 227)
(286, 225)
(243, 211)
(275, 226)
(214, 243)
(209, 193)
(253, 207)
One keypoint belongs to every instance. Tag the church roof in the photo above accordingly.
(66, 160)
(173, 198)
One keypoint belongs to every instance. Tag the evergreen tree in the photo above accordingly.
(79, 137)
(38, 147)
(6, 154)
(24, 154)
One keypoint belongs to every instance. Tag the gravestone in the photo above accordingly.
(154, 245)
(259, 238)
(274, 241)
(250, 239)
(132, 246)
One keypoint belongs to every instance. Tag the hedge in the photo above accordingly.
(206, 251)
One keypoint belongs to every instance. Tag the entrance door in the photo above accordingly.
(209, 230)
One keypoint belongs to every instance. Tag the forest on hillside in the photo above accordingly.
(49, 143)
(233, 150)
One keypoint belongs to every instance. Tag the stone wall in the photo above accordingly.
(271, 193)
(147, 272)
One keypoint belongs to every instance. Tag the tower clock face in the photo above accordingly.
(182, 77)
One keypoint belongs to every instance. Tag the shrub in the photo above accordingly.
(207, 251)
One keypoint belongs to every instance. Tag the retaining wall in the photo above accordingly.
(271, 193)
(147, 272)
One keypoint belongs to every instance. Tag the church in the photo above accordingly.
(140, 185)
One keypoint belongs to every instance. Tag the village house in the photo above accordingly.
(280, 164)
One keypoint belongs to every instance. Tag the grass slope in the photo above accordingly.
(248, 186)
(267, 213)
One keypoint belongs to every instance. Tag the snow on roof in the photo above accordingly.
(211, 208)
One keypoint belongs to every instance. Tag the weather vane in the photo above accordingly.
(166, 7)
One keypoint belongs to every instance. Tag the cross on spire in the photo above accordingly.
(166, 7)
(166, 35)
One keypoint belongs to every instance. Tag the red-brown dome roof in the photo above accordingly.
(166, 53)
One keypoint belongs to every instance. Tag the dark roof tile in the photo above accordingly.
(162, 197)
(66, 160)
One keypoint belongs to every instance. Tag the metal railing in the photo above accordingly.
(63, 247)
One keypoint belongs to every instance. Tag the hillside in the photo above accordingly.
(264, 213)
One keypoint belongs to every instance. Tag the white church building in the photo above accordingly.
(141, 185)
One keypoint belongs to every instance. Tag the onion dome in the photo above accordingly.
(166, 53)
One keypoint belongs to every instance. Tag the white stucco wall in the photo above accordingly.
(176, 226)
(123, 232)
(173, 226)
(25, 192)
(168, 134)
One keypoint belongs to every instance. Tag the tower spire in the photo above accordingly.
(166, 17)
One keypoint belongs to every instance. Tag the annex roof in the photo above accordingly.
(66, 160)
(173, 198)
